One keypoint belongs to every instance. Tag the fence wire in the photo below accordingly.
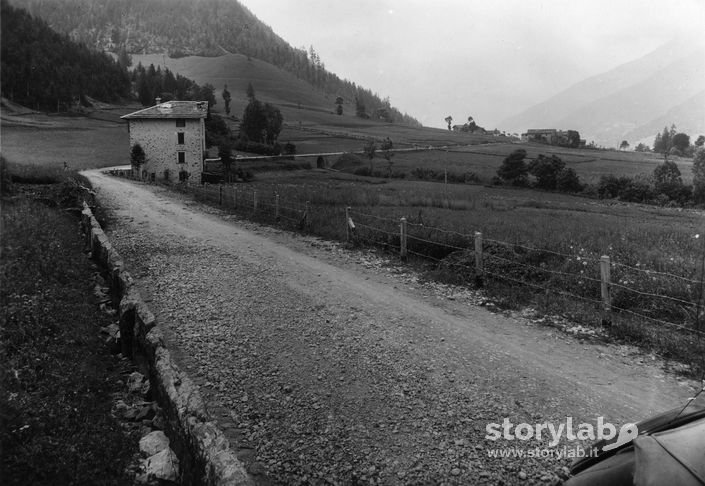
(375, 230)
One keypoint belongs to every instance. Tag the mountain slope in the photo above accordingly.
(607, 107)
(43, 69)
(237, 71)
(178, 28)
(689, 121)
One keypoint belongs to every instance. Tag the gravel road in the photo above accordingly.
(326, 365)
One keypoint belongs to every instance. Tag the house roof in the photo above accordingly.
(172, 109)
(532, 131)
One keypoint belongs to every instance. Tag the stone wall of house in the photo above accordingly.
(160, 141)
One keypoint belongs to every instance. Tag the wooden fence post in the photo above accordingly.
(221, 195)
(307, 215)
(479, 260)
(605, 290)
(402, 239)
(276, 206)
(234, 197)
(347, 224)
(254, 199)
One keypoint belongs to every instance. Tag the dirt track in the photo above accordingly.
(322, 364)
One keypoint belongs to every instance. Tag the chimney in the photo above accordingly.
(158, 100)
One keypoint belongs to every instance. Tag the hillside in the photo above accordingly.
(625, 102)
(236, 71)
(43, 69)
(178, 28)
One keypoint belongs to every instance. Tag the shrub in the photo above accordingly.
(513, 169)
(636, 191)
(346, 161)
(610, 186)
(217, 131)
(245, 145)
(137, 156)
(667, 180)
(546, 170)
(363, 171)
(699, 176)
(289, 149)
(426, 174)
(567, 180)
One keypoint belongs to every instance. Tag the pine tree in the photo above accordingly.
(226, 98)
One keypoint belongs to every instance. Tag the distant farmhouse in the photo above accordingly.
(551, 136)
(173, 137)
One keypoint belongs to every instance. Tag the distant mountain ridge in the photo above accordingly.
(180, 28)
(629, 101)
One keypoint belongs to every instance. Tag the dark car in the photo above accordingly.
(668, 450)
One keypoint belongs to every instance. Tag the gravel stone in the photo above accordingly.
(307, 354)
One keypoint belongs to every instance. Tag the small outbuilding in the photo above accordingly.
(173, 138)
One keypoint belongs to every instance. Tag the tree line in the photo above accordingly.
(664, 186)
(669, 142)
(151, 83)
(45, 70)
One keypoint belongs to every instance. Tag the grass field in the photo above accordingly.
(540, 250)
(58, 378)
(636, 236)
(81, 142)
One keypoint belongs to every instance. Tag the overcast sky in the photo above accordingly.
(488, 59)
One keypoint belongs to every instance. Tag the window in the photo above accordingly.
(180, 138)
(180, 122)
(182, 157)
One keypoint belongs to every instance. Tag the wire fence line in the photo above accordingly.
(662, 298)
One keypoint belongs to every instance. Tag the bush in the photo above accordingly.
(546, 170)
(289, 149)
(667, 180)
(699, 176)
(426, 174)
(610, 186)
(245, 145)
(346, 161)
(568, 181)
(367, 172)
(217, 131)
(636, 191)
(513, 169)
(137, 156)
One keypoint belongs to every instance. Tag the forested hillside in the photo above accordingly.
(197, 27)
(42, 69)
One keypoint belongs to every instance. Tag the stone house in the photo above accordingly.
(549, 136)
(173, 137)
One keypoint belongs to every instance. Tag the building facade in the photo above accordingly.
(173, 137)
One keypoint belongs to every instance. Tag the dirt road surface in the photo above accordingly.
(324, 364)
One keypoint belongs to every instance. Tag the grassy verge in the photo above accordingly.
(59, 379)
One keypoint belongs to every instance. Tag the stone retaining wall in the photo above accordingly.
(204, 451)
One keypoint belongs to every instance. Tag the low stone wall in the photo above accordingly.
(204, 451)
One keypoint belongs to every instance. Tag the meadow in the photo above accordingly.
(100, 140)
(540, 245)
(540, 250)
